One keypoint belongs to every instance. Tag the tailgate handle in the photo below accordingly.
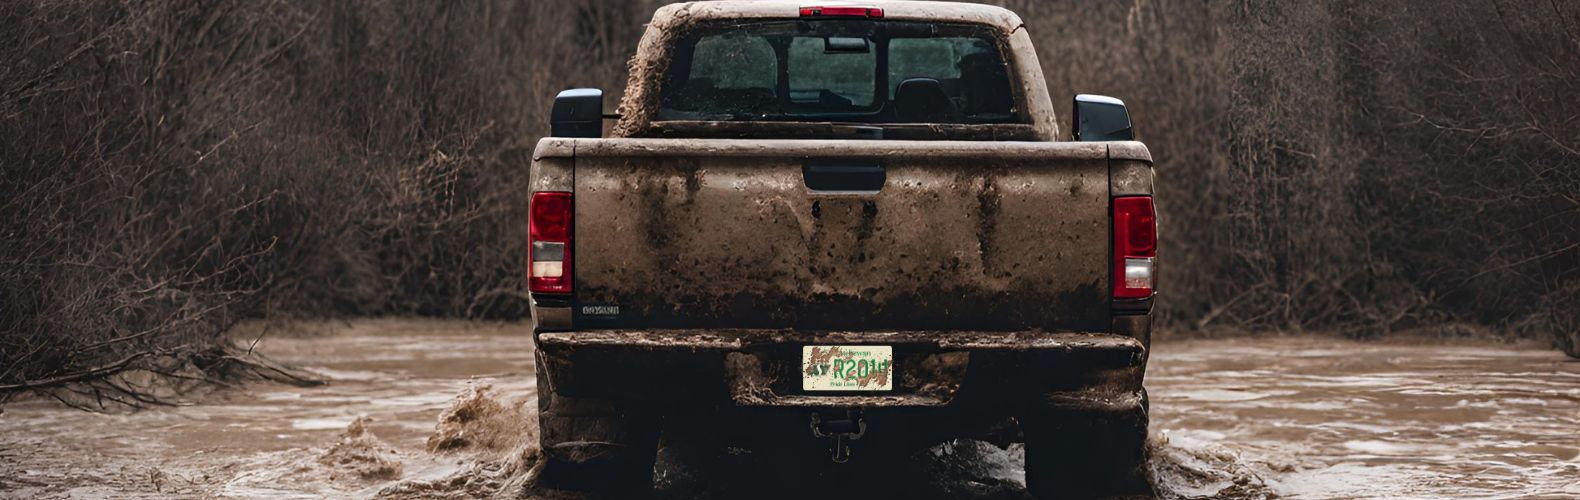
(843, 175)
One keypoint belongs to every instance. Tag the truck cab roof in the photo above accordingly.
(688, 12)
(1034, 115)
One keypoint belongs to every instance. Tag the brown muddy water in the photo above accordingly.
(434, 409)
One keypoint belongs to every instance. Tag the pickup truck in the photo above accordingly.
(837, 232)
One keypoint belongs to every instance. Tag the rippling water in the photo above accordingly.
(1249, 417)
(1327, 418)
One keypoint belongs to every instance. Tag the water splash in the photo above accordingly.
(360, 453)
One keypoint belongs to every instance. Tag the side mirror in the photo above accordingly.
(1101, 118)
(577, 113)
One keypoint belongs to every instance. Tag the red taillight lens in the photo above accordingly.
(550, 231)
(1135, 247)
(842, 11)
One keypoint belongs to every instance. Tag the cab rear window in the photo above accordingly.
(841, 71)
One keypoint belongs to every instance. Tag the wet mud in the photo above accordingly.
(756, 250)
(361, 454)
(425, 409)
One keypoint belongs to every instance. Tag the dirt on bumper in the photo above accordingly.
(761, 368)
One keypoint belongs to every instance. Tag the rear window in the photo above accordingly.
(839, 71)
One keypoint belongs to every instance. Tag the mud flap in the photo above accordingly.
(1086, 454)
(595, 444)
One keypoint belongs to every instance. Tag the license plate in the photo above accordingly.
(847, 368)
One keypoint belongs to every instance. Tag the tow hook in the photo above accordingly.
(851, 428)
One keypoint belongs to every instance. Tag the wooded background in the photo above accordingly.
(173, 166)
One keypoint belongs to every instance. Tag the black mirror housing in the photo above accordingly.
(577, 113)
(1101, 118)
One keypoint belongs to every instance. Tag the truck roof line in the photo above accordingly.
(690, 12)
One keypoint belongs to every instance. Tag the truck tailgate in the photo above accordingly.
(897, 235)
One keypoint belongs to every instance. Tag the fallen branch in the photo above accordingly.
(80, 376)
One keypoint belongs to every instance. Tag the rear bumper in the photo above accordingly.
(761, 368)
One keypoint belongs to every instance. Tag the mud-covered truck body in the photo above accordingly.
(845, 229)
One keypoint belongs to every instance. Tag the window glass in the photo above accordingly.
(969, 69)
(839, 79)
(838, 71)
(735, 62)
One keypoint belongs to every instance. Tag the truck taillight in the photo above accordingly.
(1135, 247)
(842, 11)
(550, 231)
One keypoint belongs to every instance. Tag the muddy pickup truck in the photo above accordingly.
(840, 234)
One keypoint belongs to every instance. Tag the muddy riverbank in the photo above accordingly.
(420, 408)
